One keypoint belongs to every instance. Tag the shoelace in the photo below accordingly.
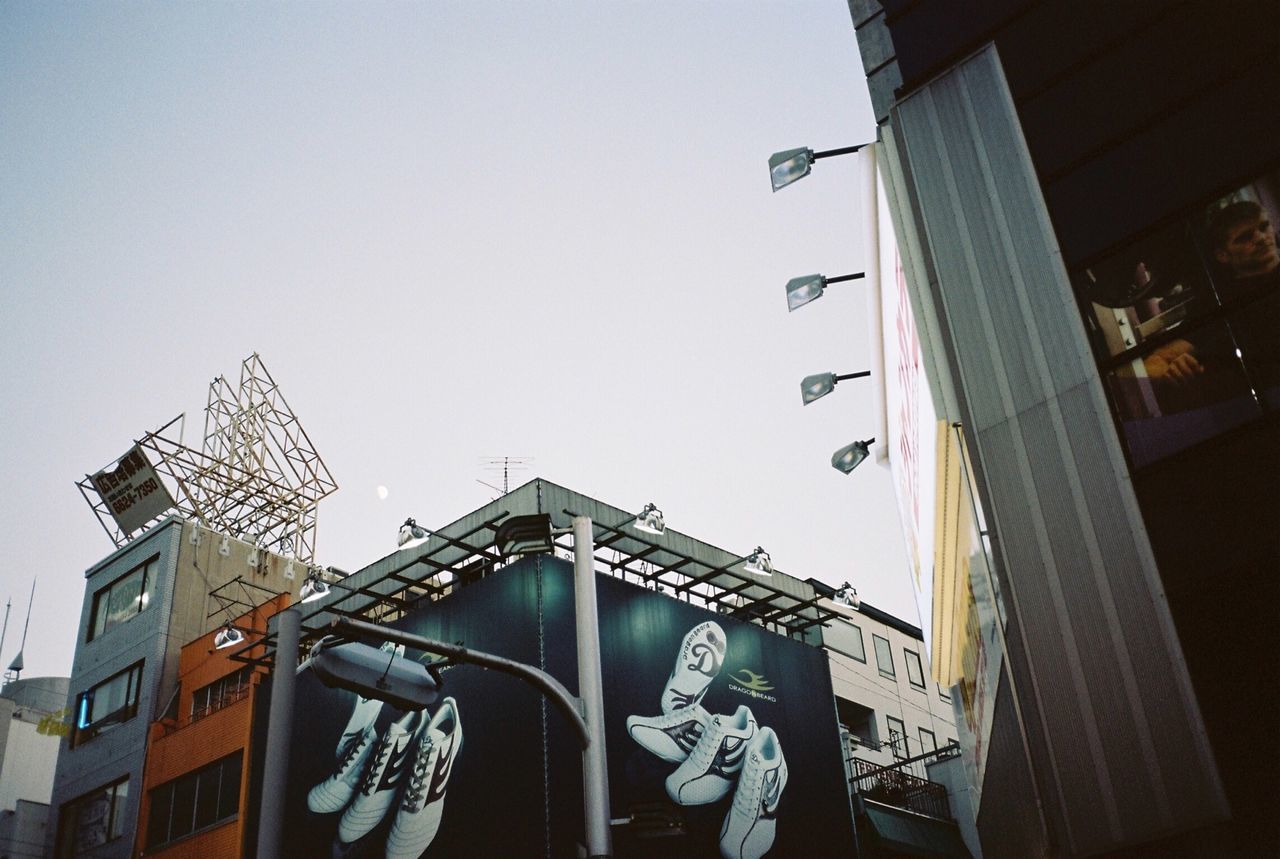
(372, 774)
(354, 748)
(747, 797)
(418, 778)
(705, 750)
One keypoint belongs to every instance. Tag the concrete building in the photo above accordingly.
(142, 604)
(32, 720)
(1085, 198)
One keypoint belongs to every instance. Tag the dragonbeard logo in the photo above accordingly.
(748, 682)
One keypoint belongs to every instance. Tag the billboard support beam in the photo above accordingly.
(275, 773)
(595, 772)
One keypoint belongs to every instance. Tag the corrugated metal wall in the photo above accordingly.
(1123, 757)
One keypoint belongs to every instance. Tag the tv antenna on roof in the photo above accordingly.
(16, 666)
(506, 465)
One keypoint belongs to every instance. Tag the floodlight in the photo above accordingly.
(650, 520)
(818, 386)
(411, 534)
(792, 164)
(313, 588)
(801, 290)
(847, 595)
(759, 562)
(228, 636)
(849, 457)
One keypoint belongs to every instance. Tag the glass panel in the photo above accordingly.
(118, 820)
(184, 807)
(92, 816)
(897, 737)
(915, 673)
(207, 796)
(928, 742)
(229, 793)
(158, 818)
(1186, 390)
(125, 597)
(844, 638)
(884, 656)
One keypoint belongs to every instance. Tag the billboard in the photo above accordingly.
(132, 491)
(721, 738)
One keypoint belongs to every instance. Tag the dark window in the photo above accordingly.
(897, 737)
(92, 820)
(111, 702)
(195, 801)
(844, 637)
(124, 598)
(915, 673)
(928, 742)
(220, 693)
(884, 656)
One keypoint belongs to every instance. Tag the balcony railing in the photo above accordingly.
(896, 785)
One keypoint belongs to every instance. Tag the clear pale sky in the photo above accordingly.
(453, 231)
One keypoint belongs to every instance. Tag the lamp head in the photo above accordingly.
(801, 290)
(816, 387)
(849, 457)
(313, 588)
(789, 165)
(228, 636)
(759, 562)
(411, 534)
(650, 520)
(848, 595)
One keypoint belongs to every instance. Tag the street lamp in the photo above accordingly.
(849, 457)
(792, 164)
(818, 386)
(809, 287)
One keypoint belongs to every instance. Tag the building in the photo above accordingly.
(1085, 198)
(31, 721)
(142, 604)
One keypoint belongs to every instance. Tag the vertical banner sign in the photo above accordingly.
(132, 491)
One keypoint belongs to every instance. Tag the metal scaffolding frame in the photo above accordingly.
(257, 476)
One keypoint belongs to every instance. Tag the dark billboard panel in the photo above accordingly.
(721, 737)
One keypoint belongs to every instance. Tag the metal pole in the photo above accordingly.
(595, 772)
(275, 772)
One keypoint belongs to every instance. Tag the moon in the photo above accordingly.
(382, 493)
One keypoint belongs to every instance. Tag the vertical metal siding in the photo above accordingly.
(1124, 746)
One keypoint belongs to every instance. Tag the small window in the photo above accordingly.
(844, 637)
(92, 820)
(928, 742)
(123, 599)
(884, 656)
(220, 693)
(198, 800)
(944, 693)
(106, 705)
(897, 737)
(915, 673)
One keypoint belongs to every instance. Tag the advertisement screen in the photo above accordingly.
(721, 737)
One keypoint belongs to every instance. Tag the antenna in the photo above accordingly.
(506, 465)
(5, 630)
(16, 666)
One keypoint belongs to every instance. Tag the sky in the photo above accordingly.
(454, 232)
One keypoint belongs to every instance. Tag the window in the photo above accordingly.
(844, 637)
(111, 702)
(897, 737)
(928, 742)
(119, 601)
(93, 819)
(944, 693)
(220, 693)
(884, 656)
(915, 673)
(195, 801)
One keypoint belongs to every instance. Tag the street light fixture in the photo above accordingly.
(650, 520)
(228, 636)
(849, 457)
(759, 563)
(792, 164)
(801, 290)
(818, 386)
(411, 535)
(314, 588)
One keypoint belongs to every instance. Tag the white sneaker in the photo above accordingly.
(697, 663)
(709, 771)
(335, 792)
(385, 775)
(752, 820)
(422, 807)
(670, 736)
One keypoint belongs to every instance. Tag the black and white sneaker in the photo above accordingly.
(697, 663)
(387, 773)
(670, 736)
(712, 767)
(335, 792)
(751, 824)
(418, 818)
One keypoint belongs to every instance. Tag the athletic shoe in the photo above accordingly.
(418, 818)
(750, 825)
(670, 736)
(336, 791)
(709, 771)
(697, 663)
(386, 774)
